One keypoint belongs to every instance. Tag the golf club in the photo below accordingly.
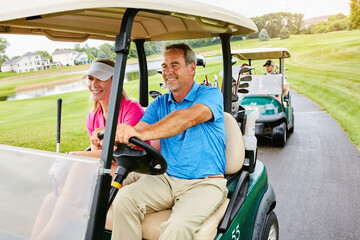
(59, 104)
(241, 76)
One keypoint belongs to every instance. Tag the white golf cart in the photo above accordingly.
(269, 94)
(79, 189)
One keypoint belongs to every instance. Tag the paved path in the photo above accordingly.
(316, 177)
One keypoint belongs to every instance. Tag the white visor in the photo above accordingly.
(100, 70)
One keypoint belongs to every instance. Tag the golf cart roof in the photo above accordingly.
(79, 20)
(261, 53)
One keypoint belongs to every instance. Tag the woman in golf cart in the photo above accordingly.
(99, 84)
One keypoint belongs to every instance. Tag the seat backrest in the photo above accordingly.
(235, 147)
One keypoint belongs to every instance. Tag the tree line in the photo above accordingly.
(276, 24)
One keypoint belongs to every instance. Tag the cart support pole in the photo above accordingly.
(227, 83)
(143, 73)
(98, 211)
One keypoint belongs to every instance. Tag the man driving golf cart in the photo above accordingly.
(247, 212)
(270, 67)
(183, 119)
(270, 70)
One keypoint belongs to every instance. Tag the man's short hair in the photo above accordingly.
(188, 52)
(269, 63)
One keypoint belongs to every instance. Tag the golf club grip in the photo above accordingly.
(59, 103)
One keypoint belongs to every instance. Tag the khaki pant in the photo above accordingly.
(192, 202)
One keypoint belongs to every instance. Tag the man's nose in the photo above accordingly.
(168, 70)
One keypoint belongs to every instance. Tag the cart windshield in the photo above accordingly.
(265, 84)
(45, 194)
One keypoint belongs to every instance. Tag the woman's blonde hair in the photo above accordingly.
(112, 64)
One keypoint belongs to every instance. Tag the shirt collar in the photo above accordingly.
(190, 96)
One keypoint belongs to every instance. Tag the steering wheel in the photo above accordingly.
(147, 161)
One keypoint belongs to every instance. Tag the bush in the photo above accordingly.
(284, 33)
(263, 35)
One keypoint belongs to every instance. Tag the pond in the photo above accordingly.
(131, 73)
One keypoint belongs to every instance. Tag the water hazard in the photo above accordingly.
(131, 73)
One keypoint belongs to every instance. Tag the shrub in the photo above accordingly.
(263, 35)
(284, 33)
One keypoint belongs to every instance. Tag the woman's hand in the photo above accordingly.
(95, 140)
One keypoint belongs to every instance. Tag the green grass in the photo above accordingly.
(6, 74)
(323, 67)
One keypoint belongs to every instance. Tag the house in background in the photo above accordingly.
(7, 66)
(26, 63)
(69, 57)
(82, 58)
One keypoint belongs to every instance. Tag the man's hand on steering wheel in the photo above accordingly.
(124, 132)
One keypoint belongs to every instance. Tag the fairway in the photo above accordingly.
(323, 67)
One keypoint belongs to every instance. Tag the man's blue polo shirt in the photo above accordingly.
(200, 150)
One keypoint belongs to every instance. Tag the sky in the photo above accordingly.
(19, 45)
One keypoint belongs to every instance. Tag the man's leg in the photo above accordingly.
(148, 194)
(194, 203)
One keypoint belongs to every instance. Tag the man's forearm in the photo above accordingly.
(176, 122)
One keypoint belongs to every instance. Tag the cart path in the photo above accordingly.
(315, 176)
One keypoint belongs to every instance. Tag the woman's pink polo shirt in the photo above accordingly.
(130, 112)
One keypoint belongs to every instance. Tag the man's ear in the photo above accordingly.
(193, 68)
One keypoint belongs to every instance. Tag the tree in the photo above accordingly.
(298, 22)
(274, 22)
(3, 45)
(355, 13)
(263, 35)
(284, 33)
(107, 49)
(132, 51)
(339, 16)
(45, 54)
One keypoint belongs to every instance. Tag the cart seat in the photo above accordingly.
(235, 155)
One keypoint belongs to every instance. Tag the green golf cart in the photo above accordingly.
(269, 94)
(74, 203)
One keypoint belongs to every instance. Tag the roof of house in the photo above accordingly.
(8, 62)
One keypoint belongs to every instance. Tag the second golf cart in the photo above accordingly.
(269, 94)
